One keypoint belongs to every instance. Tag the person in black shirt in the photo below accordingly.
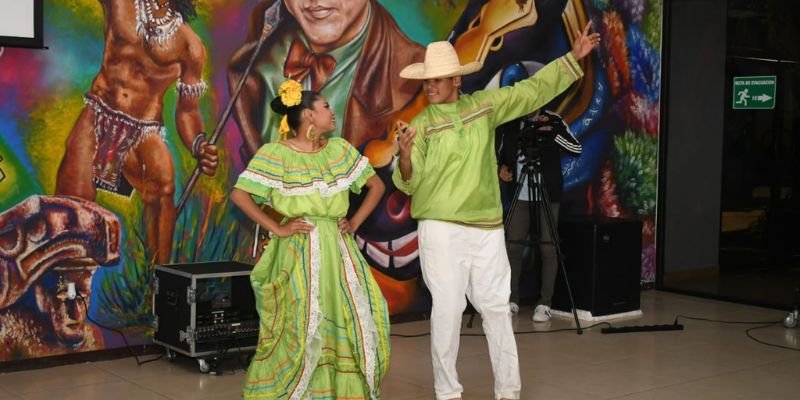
(550, 135)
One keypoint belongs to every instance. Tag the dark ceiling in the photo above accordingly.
(764, 28)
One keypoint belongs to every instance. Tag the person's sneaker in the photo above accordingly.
(541, 313)
(514, 307)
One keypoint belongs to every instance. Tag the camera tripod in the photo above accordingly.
(539, 200)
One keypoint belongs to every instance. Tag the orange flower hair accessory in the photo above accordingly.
(291, 92)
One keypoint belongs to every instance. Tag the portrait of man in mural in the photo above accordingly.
(349, 50)
(352, 52)
(46, 244)
(117, 143)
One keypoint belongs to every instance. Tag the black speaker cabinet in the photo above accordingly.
(205, 309)
(602, 257)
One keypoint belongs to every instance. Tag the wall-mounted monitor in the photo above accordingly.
(21, 23)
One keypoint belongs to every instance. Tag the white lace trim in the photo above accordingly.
(324, 189)
(366, 322)
(313, 338)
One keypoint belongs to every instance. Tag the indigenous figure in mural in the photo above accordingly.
(324, 322)
(117, 143)
(46, 243)
(351, 51)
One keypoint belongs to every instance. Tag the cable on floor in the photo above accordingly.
(761, 325)
(516, 333)
(120, 333)
(747, 332)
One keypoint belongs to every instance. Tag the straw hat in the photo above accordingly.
(441, 61)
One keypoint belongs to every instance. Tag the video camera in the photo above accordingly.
(540, 131)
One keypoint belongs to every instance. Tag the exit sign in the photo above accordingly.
(754, 92)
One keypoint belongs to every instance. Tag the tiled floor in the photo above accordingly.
(705, 361)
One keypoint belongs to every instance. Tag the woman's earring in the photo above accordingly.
(311, 133)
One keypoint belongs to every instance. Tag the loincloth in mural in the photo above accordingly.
(117, 135)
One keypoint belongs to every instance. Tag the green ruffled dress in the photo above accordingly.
(324, 331)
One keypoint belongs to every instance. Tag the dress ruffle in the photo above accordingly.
(335, 168)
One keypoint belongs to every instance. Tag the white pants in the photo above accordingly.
(458, 260)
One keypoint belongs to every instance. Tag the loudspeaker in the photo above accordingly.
(602, 257)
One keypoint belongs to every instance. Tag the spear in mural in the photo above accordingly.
(271, 20)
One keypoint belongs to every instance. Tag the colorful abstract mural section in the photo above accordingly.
(109, 164)
(625, 183)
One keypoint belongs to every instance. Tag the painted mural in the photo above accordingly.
(115, 153)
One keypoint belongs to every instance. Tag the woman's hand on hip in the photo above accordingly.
(293, 227)
(345, 226)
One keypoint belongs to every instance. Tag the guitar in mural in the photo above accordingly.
(118, 142)
(388, 237)
(616, 102)
(530, 27)
(486, 31)
(485, 34)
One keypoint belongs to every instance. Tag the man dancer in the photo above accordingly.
(447, 163)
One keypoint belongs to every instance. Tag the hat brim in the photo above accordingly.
(417, 71)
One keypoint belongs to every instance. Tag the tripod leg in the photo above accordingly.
(557, 243)
(471, 318)
(516, 234)
(514, 201)
(549, 258)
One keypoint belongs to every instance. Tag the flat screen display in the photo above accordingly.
(21, 23)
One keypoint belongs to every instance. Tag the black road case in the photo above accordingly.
(204, 310)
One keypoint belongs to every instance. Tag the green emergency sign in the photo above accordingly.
(754, 92)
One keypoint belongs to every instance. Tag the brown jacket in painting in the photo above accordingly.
(377, 93)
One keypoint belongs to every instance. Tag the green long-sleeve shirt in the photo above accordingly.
(454, 166)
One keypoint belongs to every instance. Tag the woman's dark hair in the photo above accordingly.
(292, 113)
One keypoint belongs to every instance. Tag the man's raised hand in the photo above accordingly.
(585, 42)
